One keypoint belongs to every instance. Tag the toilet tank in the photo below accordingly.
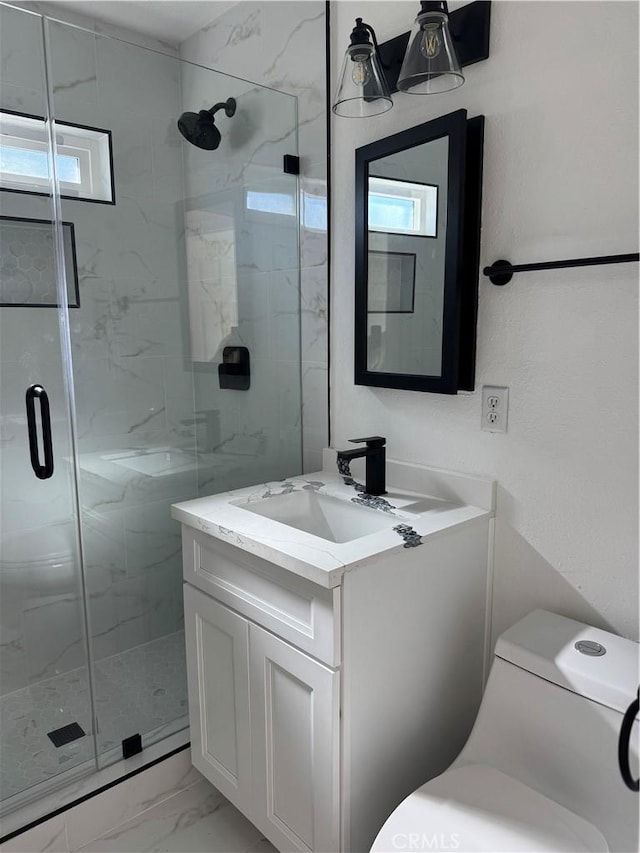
(551, 715)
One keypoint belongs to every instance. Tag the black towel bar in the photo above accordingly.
(501, 272)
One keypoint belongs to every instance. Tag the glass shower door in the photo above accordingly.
(176, 260)
(45, 704)
(133, 387)
(195, 254)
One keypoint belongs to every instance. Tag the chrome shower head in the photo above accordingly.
(200, 129)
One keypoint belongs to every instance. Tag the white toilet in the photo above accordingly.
(539, 771)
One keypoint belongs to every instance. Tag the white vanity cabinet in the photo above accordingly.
(264, 714)
(295, 736)
(264, 725)
(217, 642)
(319, 699)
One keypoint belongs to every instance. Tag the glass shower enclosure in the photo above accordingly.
(138, 273)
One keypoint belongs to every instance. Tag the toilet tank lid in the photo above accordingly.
(544, 643)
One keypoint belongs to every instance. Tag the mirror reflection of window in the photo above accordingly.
(402, 207)
(284, 202)
(271, 202)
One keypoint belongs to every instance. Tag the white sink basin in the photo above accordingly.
(321, 515)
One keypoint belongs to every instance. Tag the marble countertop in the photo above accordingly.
(421, 514)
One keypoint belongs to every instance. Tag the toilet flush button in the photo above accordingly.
(589, 647)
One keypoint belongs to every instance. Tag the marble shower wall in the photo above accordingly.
(282, 45)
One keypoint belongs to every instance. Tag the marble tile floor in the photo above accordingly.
(139, 690)
(197, 819)
(194, 821)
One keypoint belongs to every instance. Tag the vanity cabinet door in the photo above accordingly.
(295, 736)
(217, 641)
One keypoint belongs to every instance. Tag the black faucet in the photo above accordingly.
(375, 454)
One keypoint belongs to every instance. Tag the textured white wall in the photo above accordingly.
(560, 96)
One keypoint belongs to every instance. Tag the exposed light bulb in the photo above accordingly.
(360, 74)
(431, 43)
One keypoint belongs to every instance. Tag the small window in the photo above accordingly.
(83, 158)
(402, 207)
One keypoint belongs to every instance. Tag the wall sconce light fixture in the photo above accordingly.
(425, 61)
(430, 63)
(362, 87)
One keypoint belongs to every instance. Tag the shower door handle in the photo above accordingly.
(42, 472)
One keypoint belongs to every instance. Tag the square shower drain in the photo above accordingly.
(66, 734)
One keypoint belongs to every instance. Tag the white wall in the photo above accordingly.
(560, 96)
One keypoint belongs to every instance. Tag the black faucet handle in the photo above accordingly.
(371, 441)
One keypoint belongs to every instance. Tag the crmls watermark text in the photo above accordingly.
(422, 841)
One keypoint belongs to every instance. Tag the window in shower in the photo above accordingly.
(83, 158)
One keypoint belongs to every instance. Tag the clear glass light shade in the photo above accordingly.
(362, 89)
(430, 64)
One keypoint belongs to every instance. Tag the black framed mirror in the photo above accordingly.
(418, 203)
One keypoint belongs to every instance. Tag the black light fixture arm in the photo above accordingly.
(501, 272)
(434, 6)
(360, 34)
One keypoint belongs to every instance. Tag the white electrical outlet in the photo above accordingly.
(495, 408)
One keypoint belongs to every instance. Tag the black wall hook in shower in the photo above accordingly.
(501, 272)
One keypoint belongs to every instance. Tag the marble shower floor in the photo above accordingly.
(143, 690)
